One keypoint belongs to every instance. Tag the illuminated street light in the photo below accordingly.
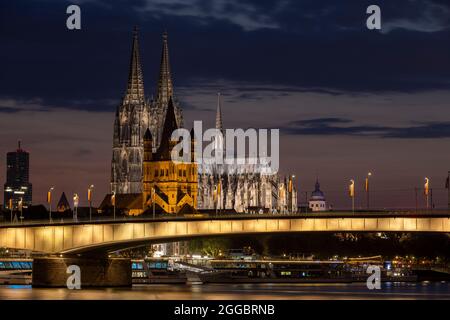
(113, 202)
(153, 200)
(367, 188)
(76, 201)
(21, 209)
(49, 201)
(291, 189)
(90, 191)
(351, 192)
(11, 208)
(426, 191)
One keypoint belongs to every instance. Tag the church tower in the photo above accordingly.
(131, 122)
(164, 94)
(171, 186)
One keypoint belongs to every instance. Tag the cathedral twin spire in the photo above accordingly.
(134, 116)
(165, 86)
(135, 87)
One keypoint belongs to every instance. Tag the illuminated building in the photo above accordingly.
(244, 187)
(134, 116)
(173, 186)
(317, 200)
(141, 122)
(168, 187)
(17, 184)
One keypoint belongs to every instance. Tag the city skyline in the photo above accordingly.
(333, 120)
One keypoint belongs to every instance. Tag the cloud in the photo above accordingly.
(13, 105)
(245, 15)
(38, 104)
(427, 17)
(340, 126)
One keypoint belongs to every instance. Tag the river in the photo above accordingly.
(415, 291)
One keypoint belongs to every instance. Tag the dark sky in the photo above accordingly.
(347, 99)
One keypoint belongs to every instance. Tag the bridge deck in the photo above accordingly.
(107, 235)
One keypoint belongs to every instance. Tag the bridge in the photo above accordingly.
(101, 237)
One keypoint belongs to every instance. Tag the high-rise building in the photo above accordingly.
(17, 184)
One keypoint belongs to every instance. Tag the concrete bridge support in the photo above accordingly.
(94, 272)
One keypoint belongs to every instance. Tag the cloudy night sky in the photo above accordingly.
(348, 100)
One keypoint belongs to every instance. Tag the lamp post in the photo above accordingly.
(291, 187)
(369, 174)
(351, 191)
(49, 201)
(447, 186)
(153, 201)
(90, 190)
(113, 202)
(426, 191)
(76, 200)
(11, 208)
(21, 209)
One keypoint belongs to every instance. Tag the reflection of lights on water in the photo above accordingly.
(19, 286)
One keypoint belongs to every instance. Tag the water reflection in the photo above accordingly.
(423, 290)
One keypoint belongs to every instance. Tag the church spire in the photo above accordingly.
(165, 87)
(219, 124)
(170, 125)
(135, 87)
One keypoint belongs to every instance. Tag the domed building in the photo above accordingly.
(317, 200)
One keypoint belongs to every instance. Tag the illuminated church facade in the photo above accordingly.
(143, 176)
(134, 115)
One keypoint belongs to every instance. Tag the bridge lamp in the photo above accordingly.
(426, 190)
(49, 201)
(369, 174)
(90, 190)
(351, 191)
(76, 200)
(113, 202)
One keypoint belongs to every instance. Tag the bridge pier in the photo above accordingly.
(94, 272)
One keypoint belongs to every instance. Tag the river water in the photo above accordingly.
(415, 291)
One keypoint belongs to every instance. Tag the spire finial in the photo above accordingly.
(19, 144)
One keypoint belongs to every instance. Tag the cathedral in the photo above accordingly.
(243, 187)
(134, 115)
(143, 176)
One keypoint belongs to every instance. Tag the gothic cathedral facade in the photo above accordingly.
(141, 168)
(134, 115)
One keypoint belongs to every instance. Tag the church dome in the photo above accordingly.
(317, 194)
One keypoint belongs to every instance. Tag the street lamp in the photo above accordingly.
(11, 208)
(21, 209)
(90, 190)
(113, 202)
(153, 200)
(351, 192)
(426, 190)
(292, 193)
(369, 174)
(76, 200)
(49, 201)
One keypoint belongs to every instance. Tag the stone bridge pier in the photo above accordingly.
(94, 272)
